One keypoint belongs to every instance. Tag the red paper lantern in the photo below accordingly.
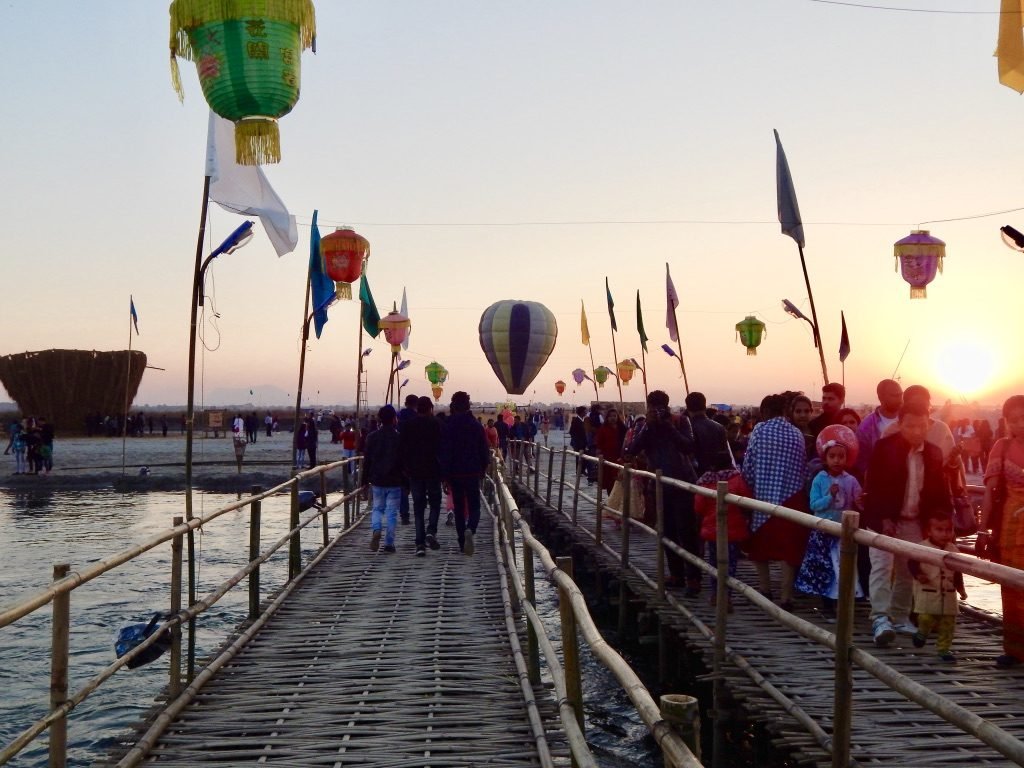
(343, 252)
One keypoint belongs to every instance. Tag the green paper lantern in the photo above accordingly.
(749, 330)
(437, 374)
(601, 374)
(247, 54)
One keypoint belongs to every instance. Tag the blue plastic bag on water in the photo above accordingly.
(132, 635)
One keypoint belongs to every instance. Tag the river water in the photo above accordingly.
(41, 528)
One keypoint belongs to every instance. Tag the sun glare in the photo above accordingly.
(966, 367)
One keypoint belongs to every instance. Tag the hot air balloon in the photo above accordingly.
(579, 375)
(437, 391)
(559, 386)
(517, 338)
(601, 374)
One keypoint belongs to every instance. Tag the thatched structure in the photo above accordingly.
(64, 385)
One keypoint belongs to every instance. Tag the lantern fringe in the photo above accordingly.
(186, 15)
(343, 291)
(751, 351)
(257, 141)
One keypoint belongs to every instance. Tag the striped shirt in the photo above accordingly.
(774, 464)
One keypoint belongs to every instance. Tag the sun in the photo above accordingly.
(965, 366)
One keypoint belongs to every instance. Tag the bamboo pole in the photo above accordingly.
(576, 490)
(842, 712)
(682, 712)
(624, 556)
(561, 478)
(174, 665)
(533, 650)
(127, 384)
(659, 506)
(551, 471)
(255, 512)
(599, 508)
(59, 652)
(536, 468)
(570, 644)
(814, 314)
(721, 621)
(323, 502)
(295, 545)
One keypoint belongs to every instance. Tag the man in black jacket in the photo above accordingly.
(382, 468)
(709, 439)
(464, 459)
(904, 484)
(419, 442)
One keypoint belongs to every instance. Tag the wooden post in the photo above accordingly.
(174, 681)
(255, 511)
(323, 502)
(843, 704)
(682, 713)
(551, 470)
(533, 650)
(599, 510)
(561, 478)
(295, 544)
(623, 588)
(570, 649)
(659, 526)
(510, 531)
(721, 614)
(346, 477)
(576, 490)
(59, 651)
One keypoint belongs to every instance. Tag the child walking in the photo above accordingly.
(936, 589)
(738, 523)
(832, 490)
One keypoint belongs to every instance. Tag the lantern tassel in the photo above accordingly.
(176, 79)
(343, 291)
(257, 141)
(751, 351)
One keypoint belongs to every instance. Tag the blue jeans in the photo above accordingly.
(385, 502)
(465, 493)
(424, 492)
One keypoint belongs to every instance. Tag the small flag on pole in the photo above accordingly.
(671, 302)
(322, 285)
(135, 315)
(789, 211)
(584, 329)
(844, 341)
(640, 323)
(611, 305)
(370, 315)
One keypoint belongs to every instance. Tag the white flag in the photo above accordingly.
(244, 189)
(405, 311)
(671, 302)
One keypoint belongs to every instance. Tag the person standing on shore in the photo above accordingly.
(464, 459)
(312, 439)
(382, 468)
(268, 422)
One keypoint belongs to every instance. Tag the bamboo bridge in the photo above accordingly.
(370, 658)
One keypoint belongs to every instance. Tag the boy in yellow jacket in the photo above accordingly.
(936, 589)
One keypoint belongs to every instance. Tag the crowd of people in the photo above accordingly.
(30, 440)
(901, 467)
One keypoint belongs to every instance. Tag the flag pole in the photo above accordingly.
(306, 317)
(679, 343)
(359, 365)
(618, 381)
(127, 384)
(643, 370)
(814, 314)
(593, 372)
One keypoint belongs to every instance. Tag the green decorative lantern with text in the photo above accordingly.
(601, 373)
(247, 55)
(437, 374)
(750, 330)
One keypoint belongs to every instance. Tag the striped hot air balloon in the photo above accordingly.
(517, 338)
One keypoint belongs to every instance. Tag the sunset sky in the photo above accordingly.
(528, 150)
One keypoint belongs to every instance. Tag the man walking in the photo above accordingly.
(464, 459)
(419, 443)
(382, 468)
(407, 414)
(904, 484)
(875, 424)
(711, 446)
(833, 396)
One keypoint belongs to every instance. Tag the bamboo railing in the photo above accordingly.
(846, 654)
(59, 593)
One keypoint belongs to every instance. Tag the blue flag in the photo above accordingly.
(789, 211)
(135, 315)
(321, 284)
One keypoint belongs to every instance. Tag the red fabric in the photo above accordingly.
(780, 539)
(737, 519)
(608, 440)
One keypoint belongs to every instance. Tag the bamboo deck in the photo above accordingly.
(377, 659)
(888, 730)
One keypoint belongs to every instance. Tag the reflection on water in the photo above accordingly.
(42, 527)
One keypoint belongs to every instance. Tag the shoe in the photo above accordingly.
(375, 541)
(468, 548)
(947, 656)
(1006, 661)
(389, 548)
(828, 615)
(421, 552)
(904, 628)
(692, 588)
(432, 541)
(919, 640)
(883, 632)
(405, 519)
(450, 519)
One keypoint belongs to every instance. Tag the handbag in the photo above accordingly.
(965, 519)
